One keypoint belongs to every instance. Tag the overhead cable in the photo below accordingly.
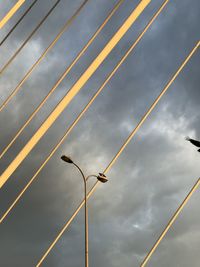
(18, 22)
(53, 43)
(68, 69)
(12, 11)
(110, 165)
(29, 37)
(83, 112)
(170, 223)
(75, 89)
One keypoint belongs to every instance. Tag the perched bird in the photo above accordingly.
(194, 142)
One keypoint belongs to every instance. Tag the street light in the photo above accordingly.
(103, 179)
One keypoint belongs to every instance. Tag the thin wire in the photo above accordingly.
(12, 11)
(107, 169)
(63, 76)
(29, 37)
(153, 105)
(65, 27)
(170, 223)
(83, 111)
(18, 22)
(75, 89)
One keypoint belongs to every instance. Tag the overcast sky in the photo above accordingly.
(154, 173)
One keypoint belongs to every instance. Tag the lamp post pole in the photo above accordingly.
(102, 178)
(86, 216)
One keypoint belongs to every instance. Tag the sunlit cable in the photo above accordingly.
(62, 77)
(29, 37)
(75, 89)
(27, 75)
(12, 11)
(83, 112)
(170, 223)
(116, 157)
(18, 22)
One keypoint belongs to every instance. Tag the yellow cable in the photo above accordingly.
(29, 37)
(62, 78)
(11, 13)
(18, 22)
(115, 158)
(154, 105)
(73, 91)
(172, 220)
(64, 28)
(83, 111)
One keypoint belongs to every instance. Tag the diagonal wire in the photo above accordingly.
(75, 89)
(170, 223)
(12, 11)
(118, 154)
(29, 37)
(64, 28)
(83, 111)
(18, 22)
(62, 76)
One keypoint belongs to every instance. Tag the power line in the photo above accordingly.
(63, 76)
(64, 28)
(153, 105)
(29, 37)
(119, 153)
(12, 11)
(18, 22)
(83, 111)
(170, 223)
(73, 91)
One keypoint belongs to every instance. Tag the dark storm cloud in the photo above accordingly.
(154, 173)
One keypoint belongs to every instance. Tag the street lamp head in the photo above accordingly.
(66, 159)
(102, 178)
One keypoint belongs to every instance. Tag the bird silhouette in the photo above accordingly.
(194, 142)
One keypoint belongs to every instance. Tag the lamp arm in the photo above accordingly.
(84, 178)
(92, 175)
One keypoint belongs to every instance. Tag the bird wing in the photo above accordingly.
(195, 142)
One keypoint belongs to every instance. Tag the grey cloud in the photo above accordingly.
(154, 173)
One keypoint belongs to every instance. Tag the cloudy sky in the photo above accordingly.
(154, 173)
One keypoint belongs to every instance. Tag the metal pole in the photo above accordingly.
(86, 229)
(86, 216)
